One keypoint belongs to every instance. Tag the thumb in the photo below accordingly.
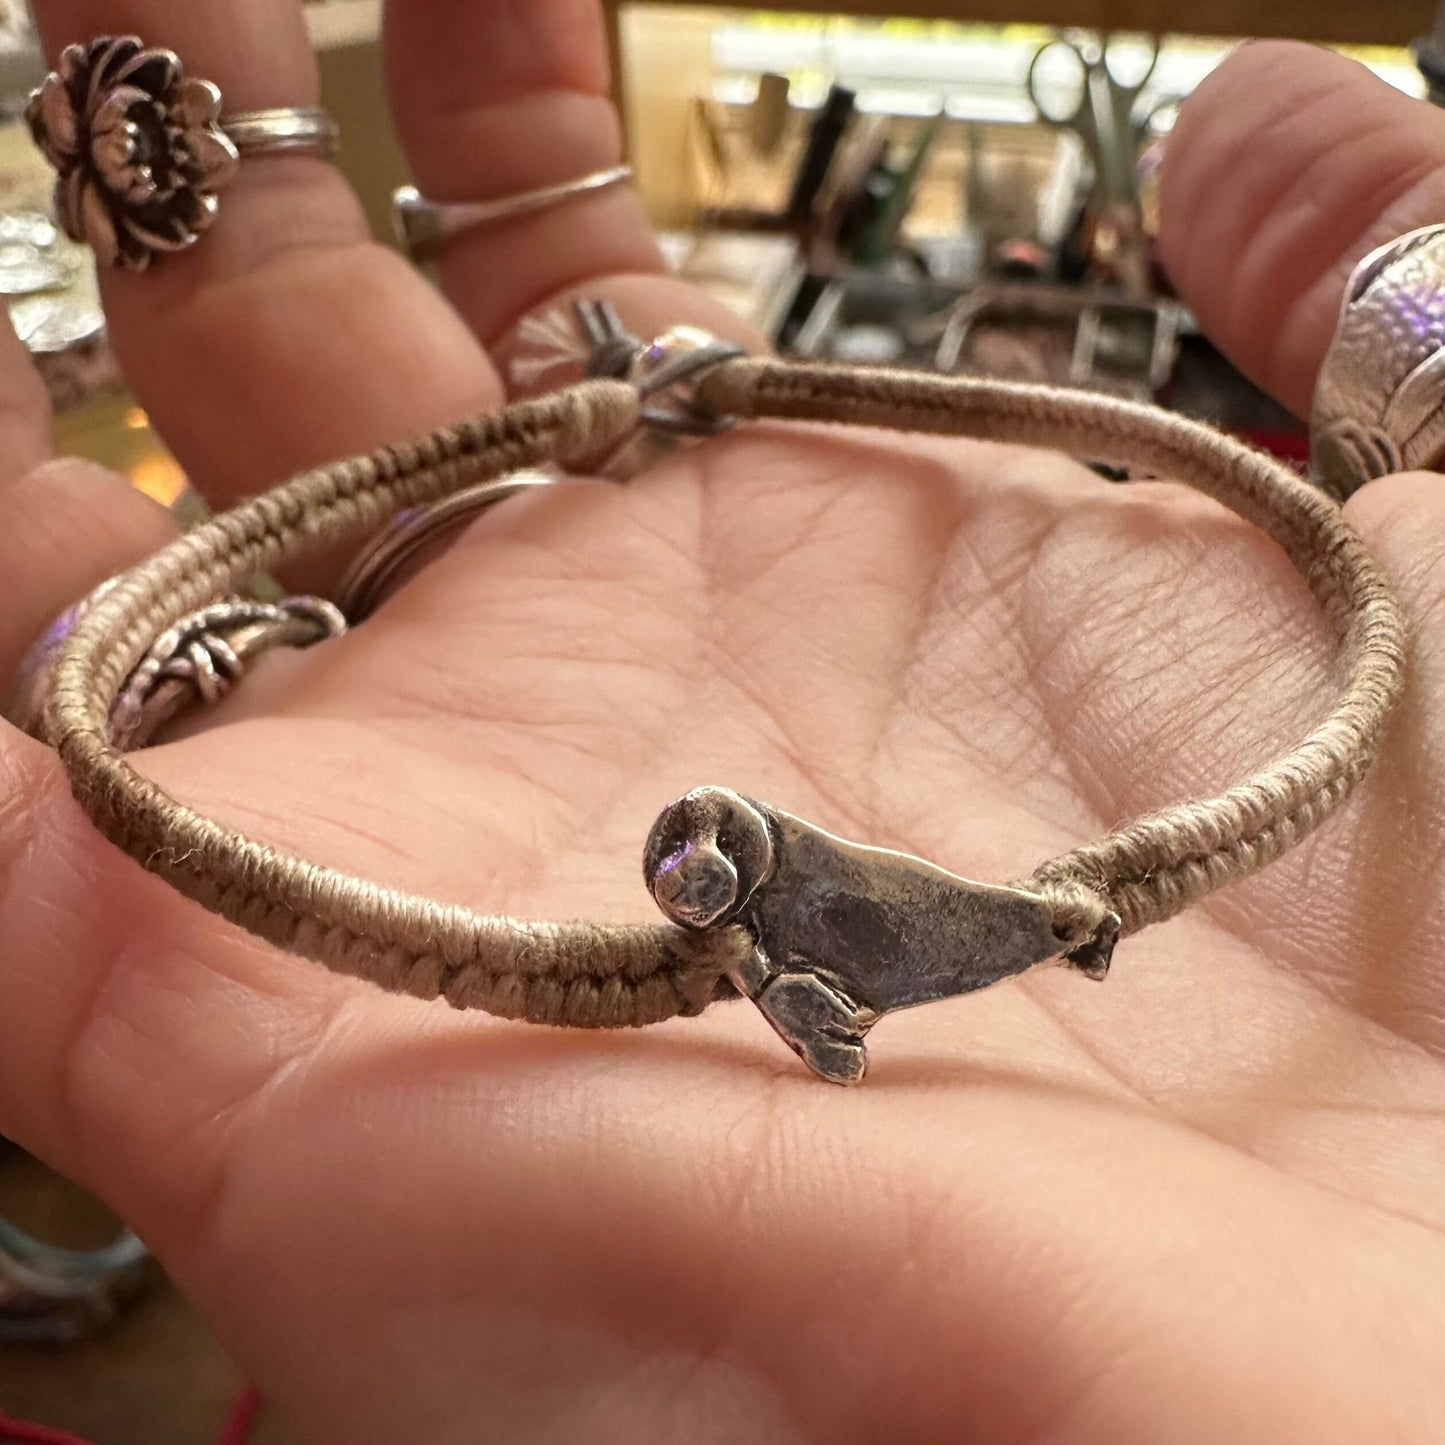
(1288, 165)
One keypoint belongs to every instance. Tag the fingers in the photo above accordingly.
(1288, 165)
(24, 407)
(283, 337)
(497, 98)
(133, 1022)
(64, 525)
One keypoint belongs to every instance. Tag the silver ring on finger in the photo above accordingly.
(197, 661)
(142, 150)
(422, 225)
(1379, 404)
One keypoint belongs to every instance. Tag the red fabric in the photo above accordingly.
(237, 1429)
(1287, 446)
(27, 1432)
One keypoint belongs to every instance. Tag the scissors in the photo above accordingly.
(1103, 116)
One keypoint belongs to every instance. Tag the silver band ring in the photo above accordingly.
(57, 1296)
(287, 130)
(142, 150)
(422, 225)
(384, 562)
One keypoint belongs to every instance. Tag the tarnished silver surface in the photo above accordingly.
(141, 149)
(845, 934)
(664, 373)
(411, 535)
(423, 226)
(203, 656)
(594, 341)
(285, 130)
(198, 660)
(612, 349)
(1379, 405)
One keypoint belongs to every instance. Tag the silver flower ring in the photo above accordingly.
(142, 150)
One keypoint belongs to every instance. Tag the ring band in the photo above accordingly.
(423, 225)
(384, 560)
(286, 130)
(825, 936)
(57, 1296)
(141, 150)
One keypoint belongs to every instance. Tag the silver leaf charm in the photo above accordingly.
(1379, 406)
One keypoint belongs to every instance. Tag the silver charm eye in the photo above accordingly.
(696, 886)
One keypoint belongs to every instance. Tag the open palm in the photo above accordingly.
(1201, 1201)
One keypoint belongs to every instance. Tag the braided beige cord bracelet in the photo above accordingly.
(825, 936)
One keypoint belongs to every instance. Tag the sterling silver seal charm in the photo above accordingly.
(843, 934)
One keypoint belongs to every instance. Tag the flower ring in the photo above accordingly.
(140, 149)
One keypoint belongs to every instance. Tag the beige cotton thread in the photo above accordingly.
(593, 975)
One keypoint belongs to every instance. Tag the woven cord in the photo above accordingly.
(579, 974)
(593, 975)
(1159, 864)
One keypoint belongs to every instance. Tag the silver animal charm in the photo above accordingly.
(1379, 405)
(844, 934)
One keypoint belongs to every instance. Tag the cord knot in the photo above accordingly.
(1084, 921)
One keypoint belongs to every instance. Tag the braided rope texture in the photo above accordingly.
(578, 974)
(593, 975)
(1159, 864)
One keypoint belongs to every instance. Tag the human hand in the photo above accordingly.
(1201, 1201)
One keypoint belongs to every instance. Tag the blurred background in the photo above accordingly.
(956, 185)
